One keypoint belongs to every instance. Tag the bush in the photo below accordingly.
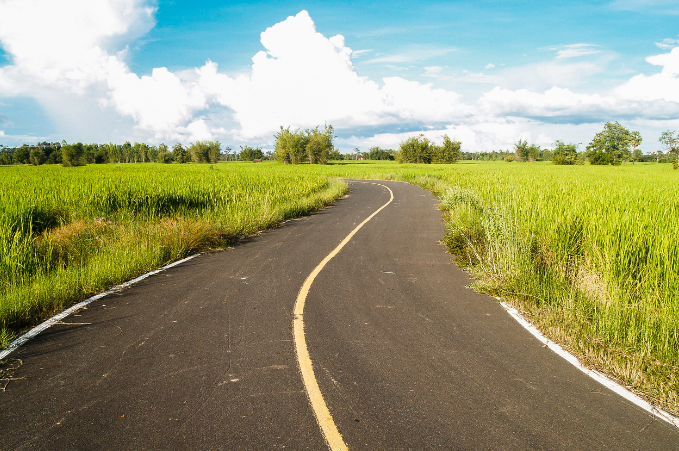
(299, 146)
(72, 154)
(248, 153)
(565, 154)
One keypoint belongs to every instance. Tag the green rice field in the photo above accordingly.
(588, 253)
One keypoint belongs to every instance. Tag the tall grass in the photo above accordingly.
(66, 233)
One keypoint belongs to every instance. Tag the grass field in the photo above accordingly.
(589, 253)
(66, 233)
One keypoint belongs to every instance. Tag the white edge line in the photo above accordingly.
(58, 317)
(597, 376)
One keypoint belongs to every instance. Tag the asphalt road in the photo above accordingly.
(201, 356)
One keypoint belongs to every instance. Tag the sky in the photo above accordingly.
(486, 73)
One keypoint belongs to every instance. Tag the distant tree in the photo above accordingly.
(37, 156)
(72, 154)
(248, 153)
(449, 152)
(22, 155)
(612, 145)
(164, 154)
(319, 144)
(635, 142)
(180, 154)
(670, 143)
(564, 154)
(375, 153)
(153, 153)
(637, 155)
(199, 151)
(126, 152)
(214, 152)
(290, 147)
(416, 149)
(335, 155)
(521, 150)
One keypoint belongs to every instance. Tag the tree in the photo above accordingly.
(375, 153)
(164, 154)
(521, 150)
(319, 144)
(214, 151)
(449, 152)
(199, 151)
(635, 141)
(72, 154)
(416, 149)
(248, 153)
(612, 145)
(335, 154)
(180, 154)
(22, 155)
(564, 154)
(290, 147)
(153, 154)
(637, 155)
(670, 143)
(37, 156)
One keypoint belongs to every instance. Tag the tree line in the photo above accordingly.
(78, 154)
(614, 145)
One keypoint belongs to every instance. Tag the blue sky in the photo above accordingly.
(486, 72)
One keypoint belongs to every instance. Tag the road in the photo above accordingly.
(202, 356)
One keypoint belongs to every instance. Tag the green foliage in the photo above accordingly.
(510, 158)
(612, 145)
(164, 154)
(180, 154)
(312, 145)
(205, 151)
(637, 155)
(416, 149)
(375, 153)
(670, 143)
(248, 153)
(37, 156)
(72, 154)
(448, 153)
(565, 154)
(335, 155)
(521, 150)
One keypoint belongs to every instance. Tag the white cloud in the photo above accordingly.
(667, 43)
(432, 70)
(304, 79)
(575, 50)
(662, 86)
(490, 66)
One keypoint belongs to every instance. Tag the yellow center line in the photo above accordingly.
(323, 417)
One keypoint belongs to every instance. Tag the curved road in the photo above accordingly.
(201, 356)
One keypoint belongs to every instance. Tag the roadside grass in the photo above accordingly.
(589, 254)
(68, 233)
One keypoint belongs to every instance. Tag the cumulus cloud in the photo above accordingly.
(304, 78)
(662, 86)
(490, 66)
